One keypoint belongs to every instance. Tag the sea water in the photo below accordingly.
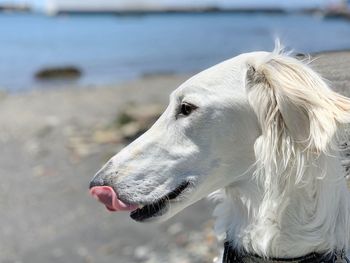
(109, 49)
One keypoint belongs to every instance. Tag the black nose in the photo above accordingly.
(94, 183)
(98, 180)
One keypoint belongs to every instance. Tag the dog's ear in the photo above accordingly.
(292, 101)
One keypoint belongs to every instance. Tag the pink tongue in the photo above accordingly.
(107, 196)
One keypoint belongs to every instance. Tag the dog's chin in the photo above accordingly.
(162, 208)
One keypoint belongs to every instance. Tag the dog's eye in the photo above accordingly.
(186, 109)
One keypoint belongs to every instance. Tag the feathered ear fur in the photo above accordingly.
(296, 110)
(286, 94)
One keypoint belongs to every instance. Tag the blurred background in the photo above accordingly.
(81, 79)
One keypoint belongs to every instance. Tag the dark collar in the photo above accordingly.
(232, 255)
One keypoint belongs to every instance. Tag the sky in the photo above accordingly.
(39, 4)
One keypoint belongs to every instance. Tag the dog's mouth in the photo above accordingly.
(142, 212)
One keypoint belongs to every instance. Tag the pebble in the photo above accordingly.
(142, 253)
(175, 228)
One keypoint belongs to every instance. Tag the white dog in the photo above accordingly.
(262, 128)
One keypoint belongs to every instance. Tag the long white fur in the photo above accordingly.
(263, 134)
(300, 203)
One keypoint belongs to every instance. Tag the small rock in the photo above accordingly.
(135, 120)
(131, 131)
(181, 240)
(142, 253)
(123, 119)
(32, 147)
(106, 136)
(44, 131)
(175, 228)
(68, 72)
(145, 114)
(39, 170)
(80, 146)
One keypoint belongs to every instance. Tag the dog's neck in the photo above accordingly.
(294, 219)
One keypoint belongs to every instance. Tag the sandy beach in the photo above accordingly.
(53, 141)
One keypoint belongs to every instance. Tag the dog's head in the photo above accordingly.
(219, 125)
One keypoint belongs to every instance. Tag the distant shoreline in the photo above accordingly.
(183, 11)
(191, 11)
(143, 11)
(156, 11)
